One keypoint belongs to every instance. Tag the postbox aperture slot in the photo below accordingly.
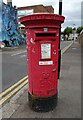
(45, 34)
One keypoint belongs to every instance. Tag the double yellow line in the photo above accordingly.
(13, 89)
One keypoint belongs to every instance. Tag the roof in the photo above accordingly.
(38, 8)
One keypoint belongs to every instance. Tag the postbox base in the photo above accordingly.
(44, 104)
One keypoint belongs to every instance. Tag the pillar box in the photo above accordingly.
(42, 40)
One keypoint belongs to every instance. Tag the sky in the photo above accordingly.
(71, 9)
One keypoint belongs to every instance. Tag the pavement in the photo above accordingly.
(69, 97)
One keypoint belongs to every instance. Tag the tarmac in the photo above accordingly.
(69, 92)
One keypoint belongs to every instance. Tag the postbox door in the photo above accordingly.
(45, 68)
(43, 63)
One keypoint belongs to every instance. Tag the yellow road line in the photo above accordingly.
(13, 92)
(64, 50)
(13, 86)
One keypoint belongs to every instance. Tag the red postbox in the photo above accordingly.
(42, 57)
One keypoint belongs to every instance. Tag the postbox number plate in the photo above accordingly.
(46, 51)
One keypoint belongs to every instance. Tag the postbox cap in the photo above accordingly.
(35, 17)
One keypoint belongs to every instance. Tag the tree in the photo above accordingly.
(79, 29)
(67, 30)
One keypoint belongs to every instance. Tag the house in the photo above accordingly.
(26, 10)
(73, 36)
(22, 11)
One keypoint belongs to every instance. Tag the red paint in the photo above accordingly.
(42, 73)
